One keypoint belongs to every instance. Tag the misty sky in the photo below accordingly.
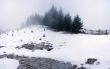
(94, 13)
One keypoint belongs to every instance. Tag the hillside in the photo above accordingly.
(73, 48)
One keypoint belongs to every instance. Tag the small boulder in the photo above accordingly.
(91, 61)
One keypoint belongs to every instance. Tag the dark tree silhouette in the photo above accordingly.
(60, 20)
(34, 20)
(77, 25)
(67, 23)
(57, 20)
(50, 18)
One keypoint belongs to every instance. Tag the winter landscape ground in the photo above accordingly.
(72, 48)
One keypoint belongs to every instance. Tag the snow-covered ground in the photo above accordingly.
(74, 48)
(6, 63)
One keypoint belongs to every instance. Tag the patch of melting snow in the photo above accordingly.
(6, 63)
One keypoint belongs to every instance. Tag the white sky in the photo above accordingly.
(94, 13)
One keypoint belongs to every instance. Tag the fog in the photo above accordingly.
(94, 13)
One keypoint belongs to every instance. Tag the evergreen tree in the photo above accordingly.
(60, 19)
(67, 23)
(34, 20)
(77, 24)
(57, 20)
(50, 18)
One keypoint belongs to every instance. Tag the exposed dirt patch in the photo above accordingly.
(43, 63)
(33, 46)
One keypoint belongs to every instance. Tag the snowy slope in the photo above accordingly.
(74, 48)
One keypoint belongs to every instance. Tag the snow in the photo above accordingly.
(6, 63)
(74, 48)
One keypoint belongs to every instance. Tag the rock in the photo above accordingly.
(44, 35)
(81, 68)
(12, 35)
(97, 63)
(32, 31)
(74, 67)
(21, 40)
(40, 39)
(17, 47)
(91, 61)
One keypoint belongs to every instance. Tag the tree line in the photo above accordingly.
(57, 20)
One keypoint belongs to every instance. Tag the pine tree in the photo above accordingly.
(50, 18)
(34, 20)
(60, 20)
(67, 23)
(77, 24)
